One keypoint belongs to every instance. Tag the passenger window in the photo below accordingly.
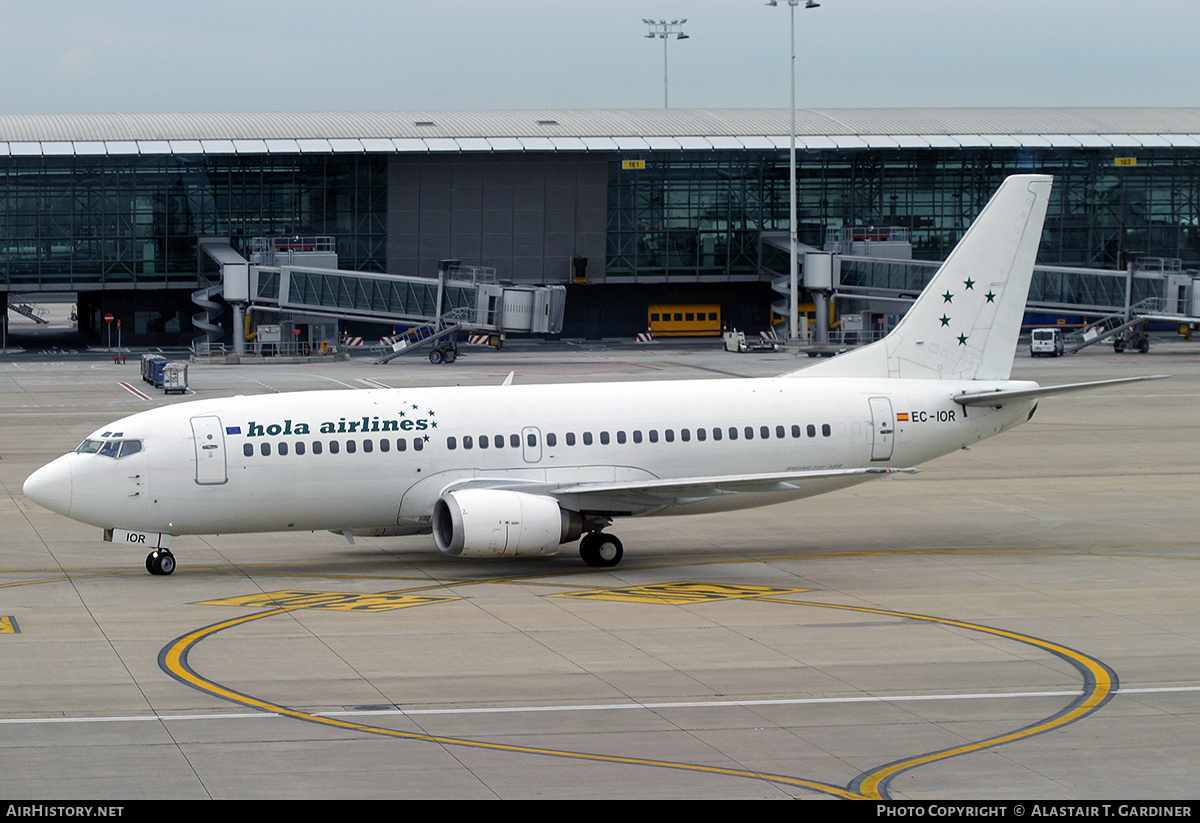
(514, 440)
(468, 441)
(732, 433)
(685, 435)
(264, 449)
(570, 438)
(333, 447)
(701, 434)
(654, 435)
(795, 430)
(385, 445)
(587, 439)
(621, 437)
(716, 433)
(418, 444)
(299, 447)
(637, 436)
(812, 430)
(499, 441)
(603, 438)
(825, 430)
(317, 447)
(351, 446)
(401, 444)
(368, 445)
(483, 441)
(531, 439)
(451, 443)
(669, 435)
(248, 449)
(283, 449)
(749, 432)
(779, 432)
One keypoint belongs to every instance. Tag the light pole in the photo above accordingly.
(663, 30)
(794, 264)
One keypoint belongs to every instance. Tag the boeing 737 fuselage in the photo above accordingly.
(506, 471)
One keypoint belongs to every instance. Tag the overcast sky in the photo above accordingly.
(261, 55)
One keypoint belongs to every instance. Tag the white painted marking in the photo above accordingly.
(805, 701)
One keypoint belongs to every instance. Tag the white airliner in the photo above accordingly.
(507, 471)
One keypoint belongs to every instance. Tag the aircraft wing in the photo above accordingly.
(1000, 397)
(648, 494)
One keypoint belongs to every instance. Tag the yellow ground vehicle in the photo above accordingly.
(684, 319)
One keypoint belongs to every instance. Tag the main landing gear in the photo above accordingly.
(160, 561)
(601, 550)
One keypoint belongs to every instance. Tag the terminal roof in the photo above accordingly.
(636, 130)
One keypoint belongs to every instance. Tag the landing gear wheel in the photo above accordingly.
(601, 550)
(435, 356)
(160, 561)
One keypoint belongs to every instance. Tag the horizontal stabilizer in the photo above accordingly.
(999, 398)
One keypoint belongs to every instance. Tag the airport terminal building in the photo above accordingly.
(627, 209)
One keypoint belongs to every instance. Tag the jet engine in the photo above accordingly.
(501, 523)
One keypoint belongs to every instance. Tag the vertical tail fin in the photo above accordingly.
(965, 324)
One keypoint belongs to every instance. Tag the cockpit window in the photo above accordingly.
(116, 449)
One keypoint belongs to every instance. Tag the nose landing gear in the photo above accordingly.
(160, 561)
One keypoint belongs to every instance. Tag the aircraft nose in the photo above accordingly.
(50, 486)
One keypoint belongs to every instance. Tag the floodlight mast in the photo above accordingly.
(793, 230)
(664, 30)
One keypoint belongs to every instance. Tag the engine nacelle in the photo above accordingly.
(501, 523)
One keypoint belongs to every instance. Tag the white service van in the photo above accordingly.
(1046, 343)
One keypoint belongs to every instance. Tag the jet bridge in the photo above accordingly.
(292, 275)
(1116, 301)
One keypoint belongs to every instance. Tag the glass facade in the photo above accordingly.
(696, 215)
(132, 221)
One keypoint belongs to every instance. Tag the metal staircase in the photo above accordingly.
(1115, 325)
(206, 321)
(33, 312)
(429, 335)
